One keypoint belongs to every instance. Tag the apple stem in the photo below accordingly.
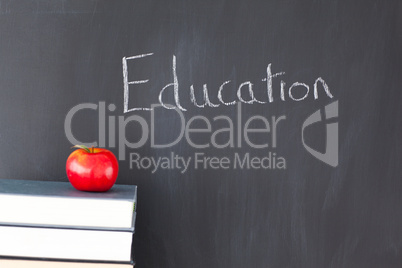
(92, 149)
(83, 147)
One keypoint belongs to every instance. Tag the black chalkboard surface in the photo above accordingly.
(274, 135)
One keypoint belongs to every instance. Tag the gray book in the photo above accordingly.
(40, 263)
(59, 205)
(70, 244)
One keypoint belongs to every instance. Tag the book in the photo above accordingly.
(74, 244)
(58, 204)
(24, 263)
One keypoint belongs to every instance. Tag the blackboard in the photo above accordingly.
(320, 81)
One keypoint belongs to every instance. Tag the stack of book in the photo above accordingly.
(50, 224)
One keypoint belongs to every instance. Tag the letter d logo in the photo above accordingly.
(330, 156)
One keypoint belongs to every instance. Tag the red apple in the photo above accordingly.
(92, 169)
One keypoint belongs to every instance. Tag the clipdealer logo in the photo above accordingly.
(272, 161)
